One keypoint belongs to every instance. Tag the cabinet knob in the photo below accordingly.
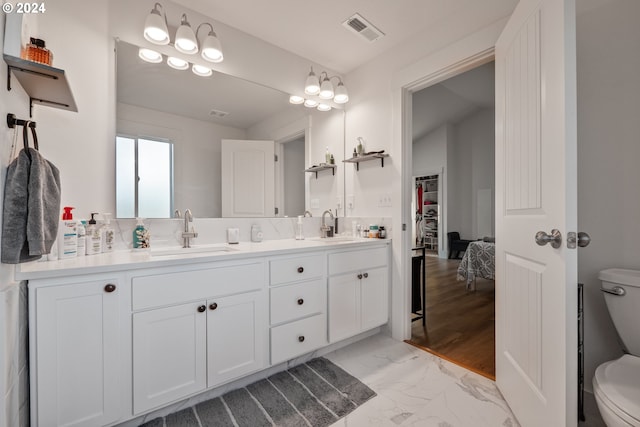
(300, 269)
(213, 305)
(110, 287)
(300, 301)
(301, 338)
(202, 308)
(365, 275)
(359, 276)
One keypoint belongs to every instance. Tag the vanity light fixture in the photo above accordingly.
(202, 71)
(155, 27)
(177, 63)
(150, 55)
(323, 89)
(186, 40)
(211, 47)
(310, 103)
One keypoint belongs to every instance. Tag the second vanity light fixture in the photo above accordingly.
(186, 41)
(323, 89)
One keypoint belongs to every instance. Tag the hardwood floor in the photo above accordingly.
(460, 324)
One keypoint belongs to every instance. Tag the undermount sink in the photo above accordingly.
(334, 239)
(197, 249)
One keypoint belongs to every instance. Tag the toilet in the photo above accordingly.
(616, 384)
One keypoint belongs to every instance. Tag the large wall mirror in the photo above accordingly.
(170, 127)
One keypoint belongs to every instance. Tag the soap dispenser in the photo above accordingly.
(67, 235)
(299, 229)
(94, 236)
(140, 235)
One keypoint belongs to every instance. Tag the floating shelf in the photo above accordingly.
(45, 85)
(316, 169)
(366, 158)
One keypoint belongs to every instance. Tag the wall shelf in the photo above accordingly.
(316, 169)
(366, 158)
(45, 85)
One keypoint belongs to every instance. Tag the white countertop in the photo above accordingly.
(130, 260)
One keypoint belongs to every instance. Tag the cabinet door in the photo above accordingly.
(344, 306)
(375, 297)
(237, 328)
(77, 354)
(169, 354)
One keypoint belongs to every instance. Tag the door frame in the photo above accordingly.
(465, 54)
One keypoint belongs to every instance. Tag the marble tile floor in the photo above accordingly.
(416, 388)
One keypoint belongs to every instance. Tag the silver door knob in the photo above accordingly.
(555, 238)
(583, 239)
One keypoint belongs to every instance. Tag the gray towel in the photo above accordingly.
(31, 207)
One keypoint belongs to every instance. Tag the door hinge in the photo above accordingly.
(275, 157)
(404, 227)
(276, 210)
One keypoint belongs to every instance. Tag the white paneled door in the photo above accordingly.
(248, 176)
(536, 324)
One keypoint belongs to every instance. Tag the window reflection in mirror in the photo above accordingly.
(144, 178)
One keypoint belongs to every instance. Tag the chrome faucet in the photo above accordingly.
(308, 214)
(188, 233)
(326, 230)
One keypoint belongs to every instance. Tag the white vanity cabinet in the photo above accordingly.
(298, 305)
(358, 291)
(194, 330)
(77, 362)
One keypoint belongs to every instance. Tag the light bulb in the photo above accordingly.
(295, 99)
(202, 71)
(211, 48)
(155, 27)
(341, 95)
(324, 107)
(326, 89)
(185, 37)
(312, 86)
(150, 55)
(177, 63)
(311, 103)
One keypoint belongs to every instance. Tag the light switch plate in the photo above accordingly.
(315, 203)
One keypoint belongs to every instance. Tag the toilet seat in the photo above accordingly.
(617, 384)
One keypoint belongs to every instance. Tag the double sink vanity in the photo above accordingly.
(116, 336)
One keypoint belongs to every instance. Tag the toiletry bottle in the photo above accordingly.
(140, 235)
(67, 235)
(360, 147)
(82, 238)
(299, 229)
(94, 237)
(327, 156)
(107, 234)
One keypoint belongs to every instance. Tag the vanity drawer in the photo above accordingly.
(343, 262)
(296, 338)
(174, 288)
(295, 301)
(287, 270)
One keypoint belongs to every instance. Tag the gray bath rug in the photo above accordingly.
(317, 394)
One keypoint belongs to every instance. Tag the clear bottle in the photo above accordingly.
(82, 237)
(107, 234)
(327, 156)
(299, 229)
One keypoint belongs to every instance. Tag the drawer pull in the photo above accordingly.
(301, 338)
(110, 288)
(300, 269)
(202, 308)
(300, 301)
(359, 276)
(213, 306)
(365, 275)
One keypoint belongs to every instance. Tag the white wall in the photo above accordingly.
(196, 154)
(474, 169)
(608, 156)
(14, 398)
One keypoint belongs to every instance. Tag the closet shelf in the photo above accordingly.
(366, 158)
(316, 169)
(45, 85)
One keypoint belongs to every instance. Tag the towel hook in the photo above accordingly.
(12, 121)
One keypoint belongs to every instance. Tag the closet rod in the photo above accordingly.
(12, 121)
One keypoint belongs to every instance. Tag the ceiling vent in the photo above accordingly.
(218, 113)
(363, 28)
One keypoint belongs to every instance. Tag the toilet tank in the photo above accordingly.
(624, 309)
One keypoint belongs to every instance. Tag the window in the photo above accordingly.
(144, 177)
